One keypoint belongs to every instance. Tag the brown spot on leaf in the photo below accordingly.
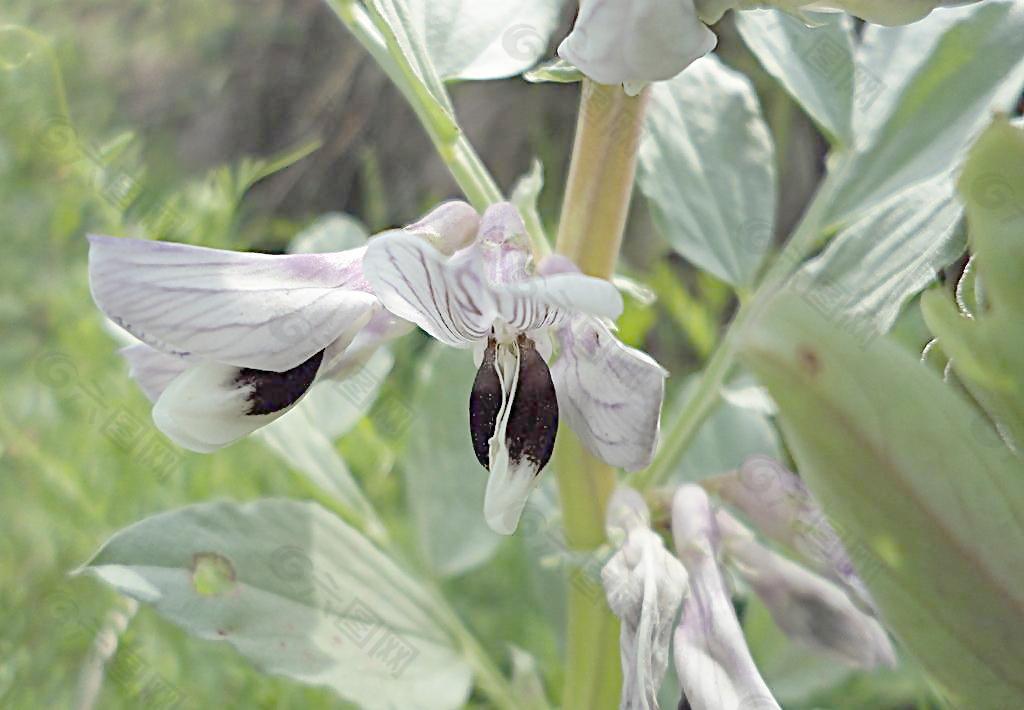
(808, 360)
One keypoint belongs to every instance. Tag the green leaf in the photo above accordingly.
(739, 428)
(814, 64)
(987, 350)
(871, 269)
(707, 167)
(924, 92)
(298, 592)
(927, 499)
(446, 40)
(487, 40)
(444, 480)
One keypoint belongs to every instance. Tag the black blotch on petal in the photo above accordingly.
(274, 391)
(533, 423)
(484, 405)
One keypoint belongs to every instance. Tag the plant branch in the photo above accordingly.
(590, 233)
(458, 154)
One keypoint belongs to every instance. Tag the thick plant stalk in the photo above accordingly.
(590, 233)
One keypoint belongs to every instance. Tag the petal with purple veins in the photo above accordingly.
(152, 369)
(610, 394)
(448, 298)
(248, 310)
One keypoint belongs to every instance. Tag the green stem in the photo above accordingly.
(462, 160)
(593, 220)
(682, 430)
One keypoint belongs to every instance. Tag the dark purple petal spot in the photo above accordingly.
(274, 391)
(484, 405)
(533, 423)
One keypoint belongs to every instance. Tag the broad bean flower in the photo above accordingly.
(644, 585)
(231, 341)
(489, 297)
(640, 41)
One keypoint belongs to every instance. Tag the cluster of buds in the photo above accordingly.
(822, 606)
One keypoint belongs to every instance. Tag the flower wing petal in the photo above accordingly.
(805, 606)
(212, 405)
(248, 310)
(610, 394)
(552, 301)
(448, 298)
(713, 663)
(153, 370)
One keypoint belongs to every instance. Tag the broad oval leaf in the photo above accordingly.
(871, 269)
(298, 592)
(446, 40)
(707, 167)
(923, 93)
(814, 64)
(928, 500)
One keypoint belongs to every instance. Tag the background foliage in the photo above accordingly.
(242, 125)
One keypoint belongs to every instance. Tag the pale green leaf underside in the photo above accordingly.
(924, 91)
(311, 599)
(926, 496)
(707, 167)
(871, 269)
(814, 64)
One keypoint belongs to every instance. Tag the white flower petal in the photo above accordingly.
(212, 405)
(627, 510)
(505, 244)
(610, 394)
(449, 227)
(342, 358)
(713, 663)
(153, 369)
(635, 42)
(448, 298)
(806, 607)
(644, 586)
(552, 301)
(249, 310)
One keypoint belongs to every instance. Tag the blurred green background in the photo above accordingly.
(237, 125)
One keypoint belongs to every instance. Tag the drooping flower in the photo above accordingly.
(637, 42)
(231, 341)
(644, 585)
(713, 663)
(488, 296)
(806, 606)
(779, 505)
